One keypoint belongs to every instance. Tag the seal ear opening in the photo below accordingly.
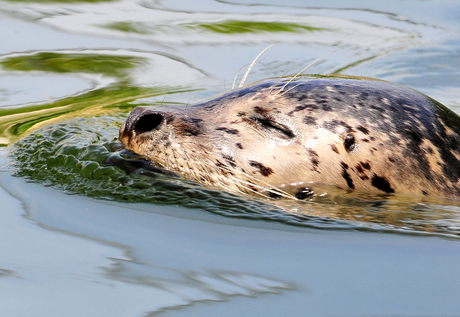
(148, 122)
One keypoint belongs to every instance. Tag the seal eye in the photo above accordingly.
(349, 142)
(272, 125)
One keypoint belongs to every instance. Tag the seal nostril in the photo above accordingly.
(148, 122)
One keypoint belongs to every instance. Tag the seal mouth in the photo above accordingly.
(147, 122)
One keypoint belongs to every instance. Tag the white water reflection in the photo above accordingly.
(358, 29)
(357, 33)
(104, 273)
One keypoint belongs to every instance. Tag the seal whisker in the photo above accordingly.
(302, 82)
(209, 168)
(185, 110)
(234, 79)
(164, 98)
(252, 64)
(277, 191)
(303, 69)
(279, 79)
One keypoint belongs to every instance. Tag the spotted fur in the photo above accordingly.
(348, 132)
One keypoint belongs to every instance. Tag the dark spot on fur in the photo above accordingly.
(382, 184)
(365, 140)
(363, 129)
(346, 176)
(309, 120)
(227, 130)
(365, 165)
(303, 107)
(430, 150)
(314, 159)
(220, 164)
(302, 97)
(210, 106)
(191, 132)
(349, 142)
(392, 160)
(377, 108)
(251, 122)
(424, 193)
(333, 124)
(415, 137)
(238, 145)
(260, 110)
(325, 105)
(304, 193)
(361, 171)
(229, 160)
(264, 170)
(334, 148)
(194, 120)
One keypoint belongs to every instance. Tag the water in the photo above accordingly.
(85, 233)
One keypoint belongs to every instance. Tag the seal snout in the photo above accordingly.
(140, 121)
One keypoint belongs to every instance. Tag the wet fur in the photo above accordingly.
(284, 137)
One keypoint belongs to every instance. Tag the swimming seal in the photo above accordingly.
(284, 137)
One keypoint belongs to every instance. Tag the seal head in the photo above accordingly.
(284, 138)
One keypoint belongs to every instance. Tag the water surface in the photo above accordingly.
(89, 231)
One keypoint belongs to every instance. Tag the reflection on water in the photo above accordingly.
(108, 65)
(227, 27)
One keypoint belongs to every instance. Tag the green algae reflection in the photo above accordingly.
(117, 97)
(109, 65)
(128, 27)
(227, 27)
(236, 27)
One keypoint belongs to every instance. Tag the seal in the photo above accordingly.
(287, 137)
